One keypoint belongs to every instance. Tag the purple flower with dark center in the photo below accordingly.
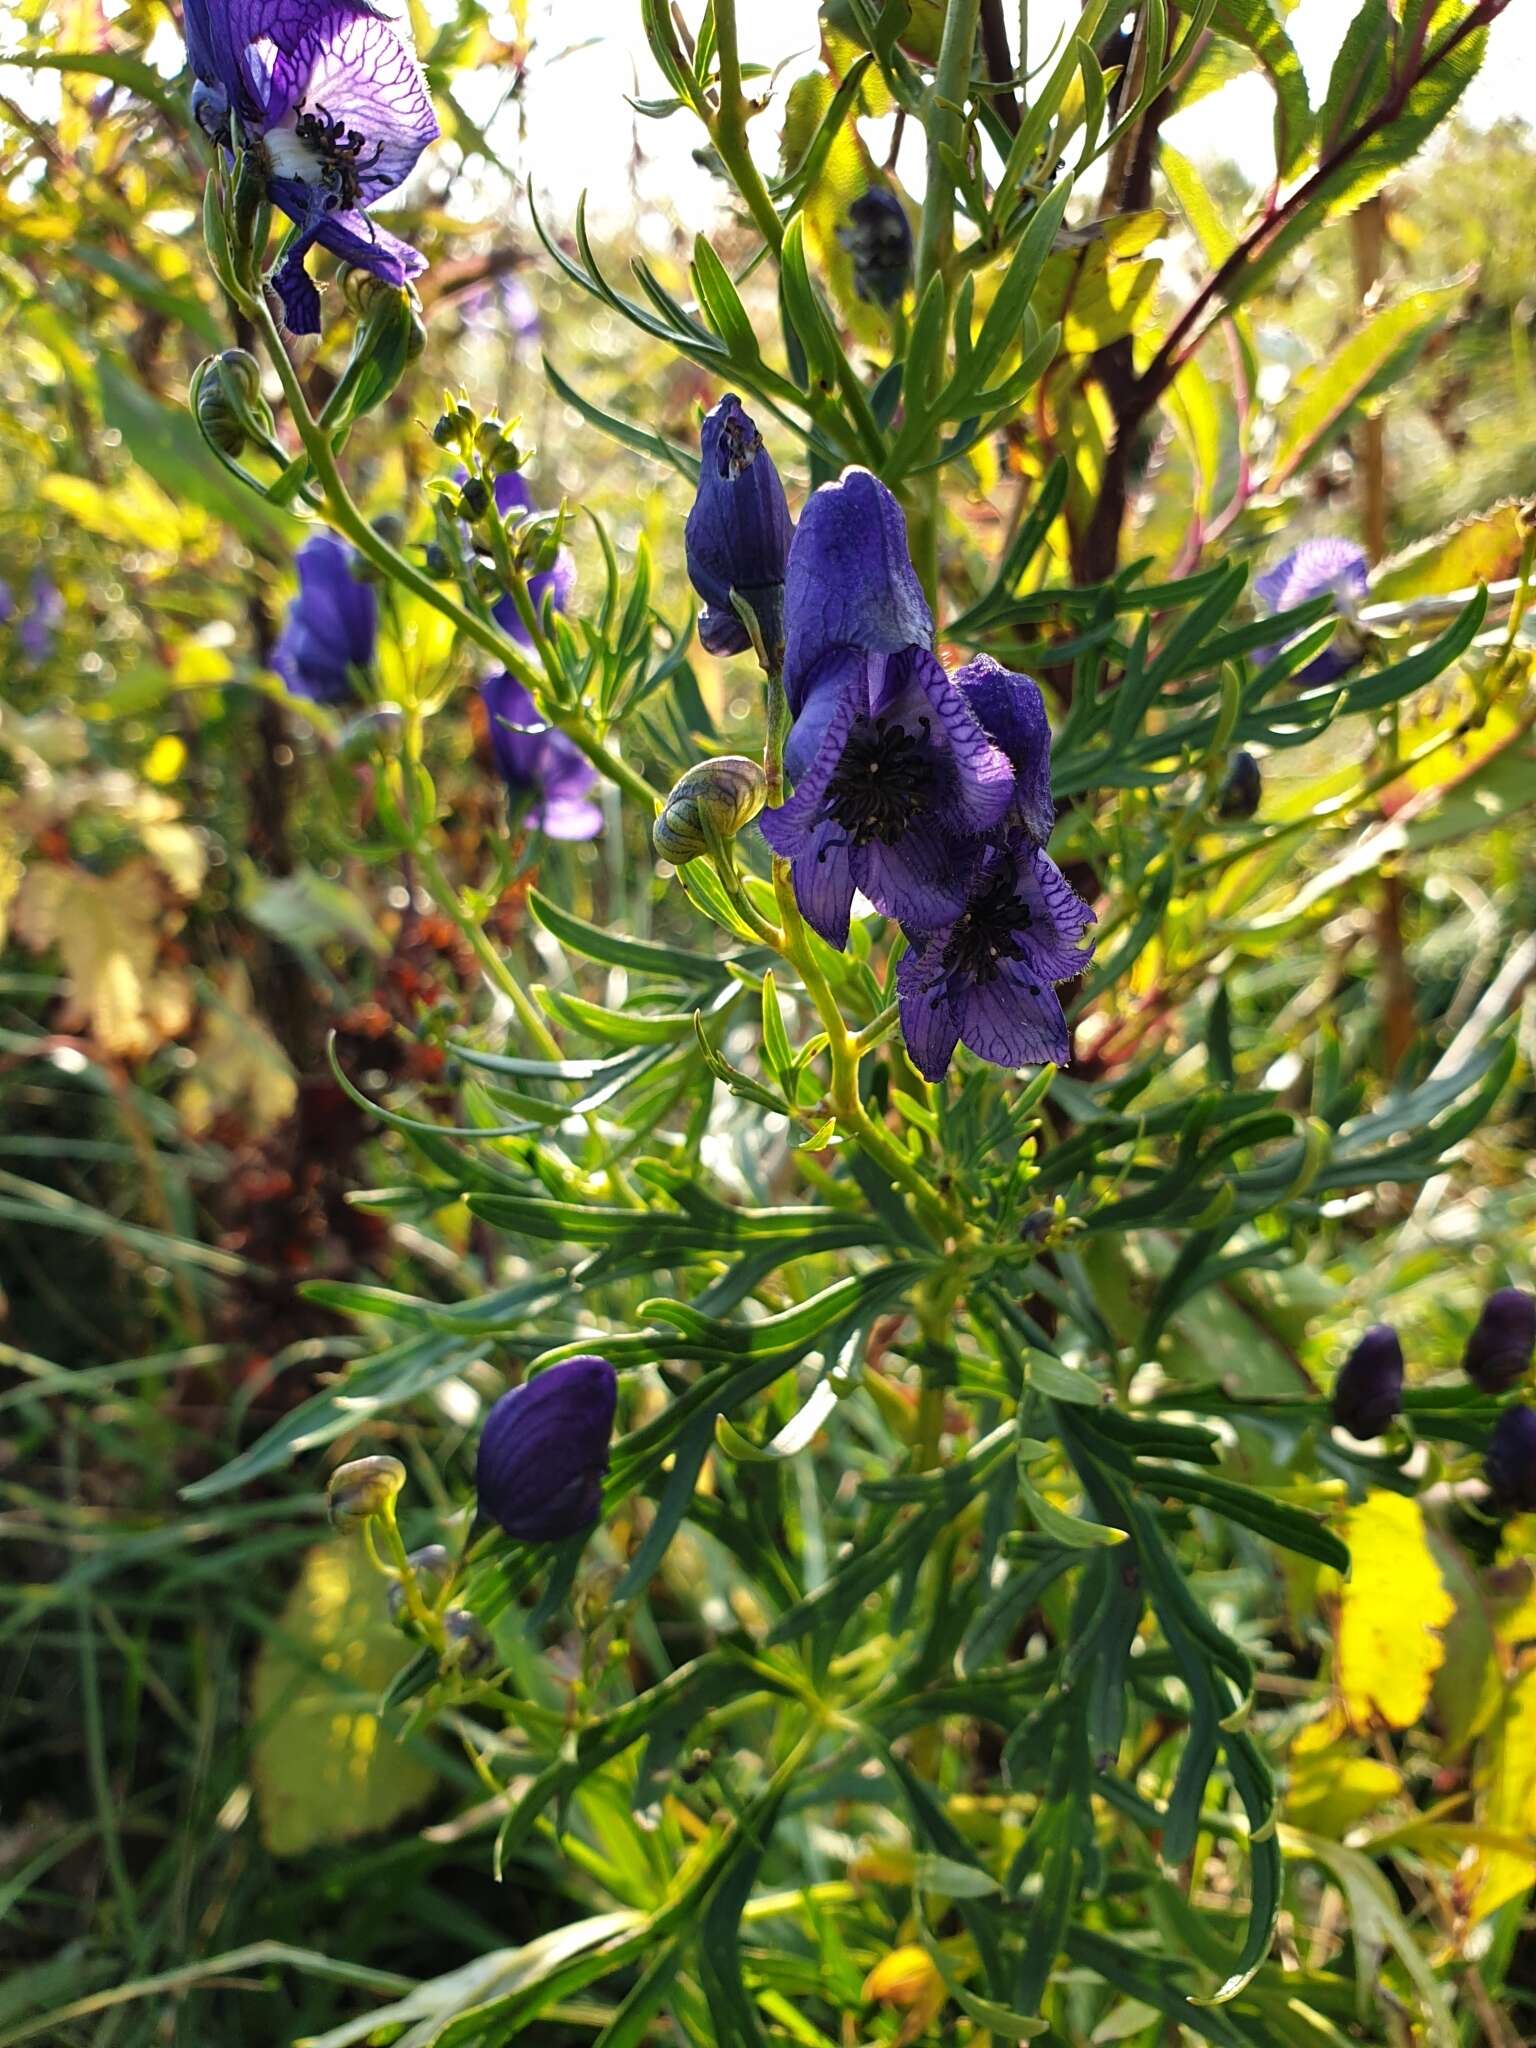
(40, 622)
(738, 533)
(1510, 1460)
(544, 1450)
(985, 979)
(334, 104)
(328, 637)
(896, 781)
(1498, 1352)
(549, 780)
(1369, 1389)
(878, 236)
(1318, 566)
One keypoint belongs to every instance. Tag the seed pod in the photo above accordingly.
(1498, 1352)
(1241, 788)
(1369, 1390)
(358, 1491)
(719, 797)
(1510, 1460)
(431, 1566)
(467, 1645)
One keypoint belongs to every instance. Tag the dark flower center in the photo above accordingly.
(340, 150)
(882, 782)
(988, 934)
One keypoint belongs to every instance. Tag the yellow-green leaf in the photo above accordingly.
(1505, 1779)
(325, 1767)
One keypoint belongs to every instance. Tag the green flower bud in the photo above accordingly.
(446, 432)
(710, 804)
(358, 1491)
(432, 1567)
(474, 499)
(227, 402)
(467, 1646)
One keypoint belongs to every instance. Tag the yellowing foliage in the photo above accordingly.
(1503, 1865)
(1390, 1609)
(323, 1767)
(240, 1065)
(108, 930)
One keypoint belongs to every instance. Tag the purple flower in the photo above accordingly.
(850, 581)
(329, 633)
(39, 623)
(1330, 565)
(878, 237)
(548, 777)
(985, 979)
(738, 533)
(1499, 1349)
(544, 1450)
(1510, 1460)
(336, 105)
(1369, 1389)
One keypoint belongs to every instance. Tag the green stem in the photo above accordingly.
(728, 130)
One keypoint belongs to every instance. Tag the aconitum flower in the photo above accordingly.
(1499, 1350)
(333, 103)
(544, 1450)
(1510, 1460)
(1332, 565)
(1369, 1389)
(328, 638)
(40, 622)
(896, 782)
(985, 979)
(738, 533)
(878, 236)
(549, 780)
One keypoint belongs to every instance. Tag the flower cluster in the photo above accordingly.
(331, 105)
(928, 794)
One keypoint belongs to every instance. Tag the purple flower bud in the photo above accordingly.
(738, 533)
(544, 1451)
(1369, 1390)
(1510, 1461)
(329, 634)
(1499, 1349)
(467, 1645)
(1241, 787)
(878, 237)
(1308, 571)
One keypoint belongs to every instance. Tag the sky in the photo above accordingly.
(580, 135)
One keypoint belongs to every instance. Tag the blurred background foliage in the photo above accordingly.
(197, 1845)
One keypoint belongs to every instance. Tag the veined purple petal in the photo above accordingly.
(347, 111)
(913, 685)
(1012, 712)
(850, 580)
(790, 825)
(1317, 566)
(924, 879)
(824, 886)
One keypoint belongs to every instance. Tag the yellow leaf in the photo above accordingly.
(1505, 1781)
(136, 512)
(108, 931)
(906, 1977)
(11, 872)
(177, 851)
(240, 1065)
(1331, 1788)
(166, 758)
(1390, 1608)
(324, 1767)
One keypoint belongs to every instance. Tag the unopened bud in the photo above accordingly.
(1241, 787)
(1499, 1350)
(431, 1567)
(228, 403)
(467, 1646)
(708, 805)
(474, 499)
(1369, 1390)
(358, 1491)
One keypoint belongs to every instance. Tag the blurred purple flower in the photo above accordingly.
(878, 236)
(544, 1450)
(548, 778)
(338, 106)
(1499, 1349)
(502, 306)
(985, 979)
(39, 622)
(738, 533)
(1316, 567)
(1510, 1461)
(1369, 1389)
(328, 636)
